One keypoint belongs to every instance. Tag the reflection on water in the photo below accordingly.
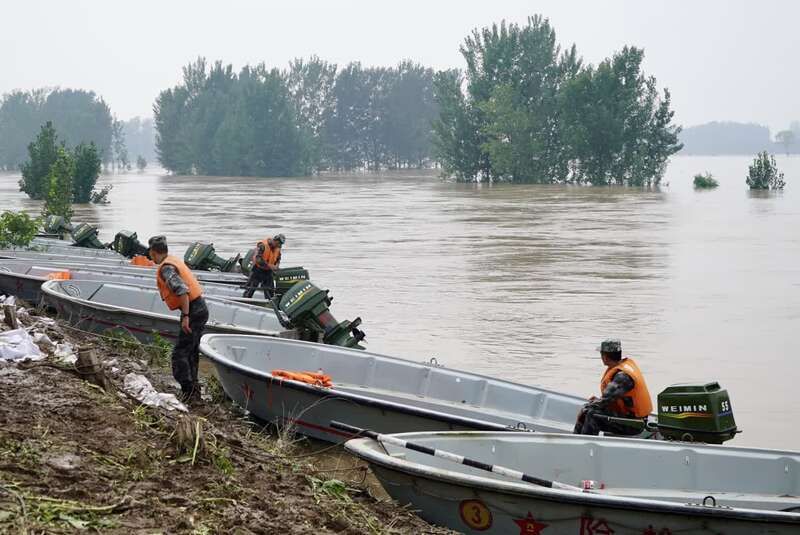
(522, 282)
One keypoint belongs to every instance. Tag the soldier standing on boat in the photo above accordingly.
(265, 262)
(180, 290)
(623, 394)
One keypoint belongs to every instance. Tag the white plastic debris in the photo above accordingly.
(18, 345)
(65, 353)
(139, 387)
(43, 341)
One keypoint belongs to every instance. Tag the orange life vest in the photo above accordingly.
(142, 261)
(635, 402)
(314, 378)
(172, 300)
(270, 256)
(59, 276)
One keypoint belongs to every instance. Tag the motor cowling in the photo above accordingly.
(128, 245)
(85, 235)
(306, 306)
(696, 413)
(202, 256)
(286, 278)
(56, 225)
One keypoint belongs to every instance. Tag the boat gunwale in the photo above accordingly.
(367, 450)
(224, 277)
(116, 309)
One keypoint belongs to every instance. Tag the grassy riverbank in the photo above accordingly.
(75, 456)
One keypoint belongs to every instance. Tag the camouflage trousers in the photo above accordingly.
(186, 353)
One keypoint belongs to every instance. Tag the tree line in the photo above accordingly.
(522, 110)
(535, 113)
(717, 138)
(79, 116)
(309, 117)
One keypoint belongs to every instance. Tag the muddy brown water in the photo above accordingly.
(522, 282)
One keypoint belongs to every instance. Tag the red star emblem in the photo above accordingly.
(529, 526)
(248, 392)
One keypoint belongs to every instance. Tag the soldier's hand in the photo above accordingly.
(185, 325)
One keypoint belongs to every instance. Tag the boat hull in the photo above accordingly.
(375, 391)
(754, 488)
(28, 289)
(143, 325)
(464, 509)
(309, 410)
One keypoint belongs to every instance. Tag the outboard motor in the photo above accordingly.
(696, 413)
(202, 256)
(286, 278)
(247, 261)
(128, 245)
(306, 306)
(56, 225)
(85, 235)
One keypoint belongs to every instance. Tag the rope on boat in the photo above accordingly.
(454, 457)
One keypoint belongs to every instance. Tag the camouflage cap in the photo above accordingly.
(610, 345)
(157, 240)
(280, 238)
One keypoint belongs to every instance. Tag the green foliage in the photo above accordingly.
(310, 117)
(220, 123)
(79, 116)
(535, 113)
(17, 229)
(160, 351)
(457, 138)
(42, 154)
(141, 163)
(705, 181)
(87, 171)
(60, 192)
(764, 174)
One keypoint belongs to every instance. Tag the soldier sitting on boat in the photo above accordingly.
(265, 262)
(623, 392)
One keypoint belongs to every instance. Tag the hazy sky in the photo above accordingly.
(722, 60)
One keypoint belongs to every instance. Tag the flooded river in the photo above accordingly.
(523, 282)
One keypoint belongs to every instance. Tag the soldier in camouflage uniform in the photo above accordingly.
(624, 395)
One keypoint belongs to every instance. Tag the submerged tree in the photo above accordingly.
(763, 173)
(86, 171)
(58, 200)
(42, 154)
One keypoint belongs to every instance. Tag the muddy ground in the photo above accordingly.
(75, 457)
